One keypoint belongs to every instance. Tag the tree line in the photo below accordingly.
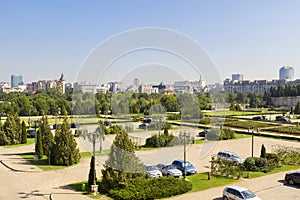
(53, 102)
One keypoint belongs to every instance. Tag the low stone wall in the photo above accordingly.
(286, 101)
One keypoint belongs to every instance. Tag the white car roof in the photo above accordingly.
(241, 189)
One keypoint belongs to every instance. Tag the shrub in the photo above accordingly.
(273, 159)
(92, 174)
(142, 188)
(263, 153)
(255, 164)
(174, 116)
(249, 164)
(226, 134)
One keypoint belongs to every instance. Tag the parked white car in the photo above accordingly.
(238, 193)
(153, 171)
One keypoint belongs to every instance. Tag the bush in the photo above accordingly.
(255, 164)
(174, 116)
(142, 188)
(273, 159)
(227, 134)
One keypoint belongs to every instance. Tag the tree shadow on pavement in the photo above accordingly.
(25, 195)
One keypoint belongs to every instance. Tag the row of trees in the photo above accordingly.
(61, 149)
(285, 91)
(53, 102)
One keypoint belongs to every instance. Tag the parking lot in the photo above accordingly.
(271, 187)
(32, 185)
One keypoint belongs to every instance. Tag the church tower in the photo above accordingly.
(62, 82)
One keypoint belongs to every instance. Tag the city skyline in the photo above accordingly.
(39, 40)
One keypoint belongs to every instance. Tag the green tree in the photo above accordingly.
(64, 150)
(122, 164)
(3, 138)
(12, 129)
(47, 136)
(263, 153)
(92, 174)
(24, 134)
(297, 108)
(170, 103)
(39, 145)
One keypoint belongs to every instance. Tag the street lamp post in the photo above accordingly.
(93, 138)
(185, 136)
(252, 146)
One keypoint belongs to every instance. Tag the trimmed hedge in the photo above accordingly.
(142, 188)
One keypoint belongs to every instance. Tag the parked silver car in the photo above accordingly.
(238, 193)
(169, 170)
(230, 156)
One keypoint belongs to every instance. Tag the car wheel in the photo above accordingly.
(291, 182)
(225, 198)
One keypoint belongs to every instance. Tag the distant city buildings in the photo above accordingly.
(236, 85)
(84, 87)
(47, 84)
(286, 73)
(16, 80)
(237, 77)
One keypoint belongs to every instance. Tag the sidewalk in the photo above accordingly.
(20, 179)
(256, 185)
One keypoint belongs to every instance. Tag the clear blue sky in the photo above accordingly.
(41, 39)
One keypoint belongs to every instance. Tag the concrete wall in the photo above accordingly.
(286, 101)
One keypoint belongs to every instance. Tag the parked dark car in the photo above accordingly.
(148, 120)
(31, 133)
(261, 118)
(143, 126)
(107, 123)
(203, 133)
(179, 164)
(55, 126)
(75, 125)
(283, 119)
(292, 178)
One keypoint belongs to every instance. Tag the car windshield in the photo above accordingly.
(150, 168)
(248, 194)
(235, 156)
(187, 164)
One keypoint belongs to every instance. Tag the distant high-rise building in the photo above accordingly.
(237, 77)
(16, 80)
(286, 73)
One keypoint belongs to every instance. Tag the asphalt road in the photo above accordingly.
(32, 183)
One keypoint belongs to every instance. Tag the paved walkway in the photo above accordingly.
(256, 185)
(20, 179)
(30, 182)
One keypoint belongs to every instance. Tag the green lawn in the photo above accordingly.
(283, 168)
(43, 163)
(201, 182)
(78, 187)
(286, 129)
(29, 141)
(232, 113)
(87, 154)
